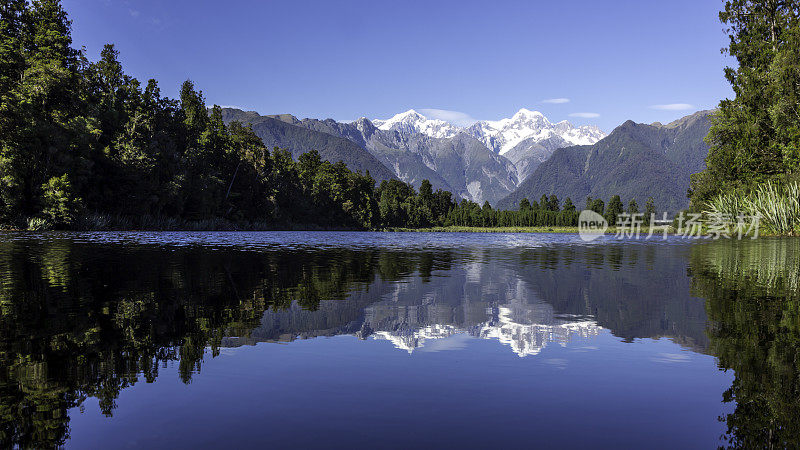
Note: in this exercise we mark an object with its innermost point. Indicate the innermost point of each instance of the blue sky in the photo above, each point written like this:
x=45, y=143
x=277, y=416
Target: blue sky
x=598, y=62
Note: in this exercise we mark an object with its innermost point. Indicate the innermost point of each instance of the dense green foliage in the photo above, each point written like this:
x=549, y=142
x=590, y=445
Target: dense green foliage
x=547, y=212
x=83, y=145
x=755, y=136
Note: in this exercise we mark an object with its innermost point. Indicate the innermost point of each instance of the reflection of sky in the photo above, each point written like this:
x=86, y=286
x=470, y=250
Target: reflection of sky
x=465, y=383
x=597, y=392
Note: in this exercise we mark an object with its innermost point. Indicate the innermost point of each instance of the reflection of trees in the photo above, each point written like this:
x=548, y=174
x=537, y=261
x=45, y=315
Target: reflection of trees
x=89, y=320
x=80, y=321
x=753, y=304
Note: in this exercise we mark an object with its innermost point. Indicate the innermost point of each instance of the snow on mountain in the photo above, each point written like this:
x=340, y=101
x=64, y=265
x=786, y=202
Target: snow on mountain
x=504, y=134
x=499, y=136
x=582, y=135
x=413, y=122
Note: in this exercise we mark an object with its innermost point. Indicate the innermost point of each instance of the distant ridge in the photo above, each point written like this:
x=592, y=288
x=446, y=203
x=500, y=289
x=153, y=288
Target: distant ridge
x=635, y=161
x=282, y=131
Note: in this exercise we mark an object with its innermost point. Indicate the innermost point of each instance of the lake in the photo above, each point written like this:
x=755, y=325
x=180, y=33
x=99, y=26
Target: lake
x=321, y=340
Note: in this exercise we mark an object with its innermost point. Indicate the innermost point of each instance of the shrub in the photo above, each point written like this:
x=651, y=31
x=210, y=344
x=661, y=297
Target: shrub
x=39, y=224
x=60, y=203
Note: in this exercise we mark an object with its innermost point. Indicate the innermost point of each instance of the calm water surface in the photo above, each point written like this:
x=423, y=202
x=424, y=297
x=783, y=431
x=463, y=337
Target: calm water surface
x=320, y=340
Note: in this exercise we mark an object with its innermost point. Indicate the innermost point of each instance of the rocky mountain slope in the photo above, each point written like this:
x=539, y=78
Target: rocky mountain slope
x=506, y=160
x=634, y=161
x=526, y=139
x=280, y=131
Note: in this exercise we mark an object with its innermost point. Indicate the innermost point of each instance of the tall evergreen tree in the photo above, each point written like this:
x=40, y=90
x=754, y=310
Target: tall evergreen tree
x=633, y=207
x=613, y=210
x=649, y=210
x=568, y=206
x=756, y=135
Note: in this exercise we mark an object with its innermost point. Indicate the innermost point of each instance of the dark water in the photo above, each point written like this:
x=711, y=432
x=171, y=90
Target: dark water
x=320, y=340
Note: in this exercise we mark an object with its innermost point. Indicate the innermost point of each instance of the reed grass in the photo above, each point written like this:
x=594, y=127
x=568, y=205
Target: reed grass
x=777, y=205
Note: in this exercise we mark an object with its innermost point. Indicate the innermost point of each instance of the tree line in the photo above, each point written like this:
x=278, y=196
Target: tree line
x=85, y=146
x=82, y=141
x=547, y=212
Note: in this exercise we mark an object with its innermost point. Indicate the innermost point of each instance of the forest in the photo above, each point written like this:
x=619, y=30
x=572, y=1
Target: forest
x=85, y=146
x=754, y=155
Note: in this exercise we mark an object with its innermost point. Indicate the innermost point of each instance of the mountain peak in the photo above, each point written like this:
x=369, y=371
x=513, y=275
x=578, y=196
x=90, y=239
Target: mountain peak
x=413, y=122
x=410, y=114
x=530, y=126
x=498, y=135
x=527, y=113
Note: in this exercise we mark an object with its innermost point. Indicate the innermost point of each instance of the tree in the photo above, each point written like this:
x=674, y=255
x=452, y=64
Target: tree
x=60, y=204
x=597, y=206
x=524, y=204
x=568, y=206
x=194, y=111
x=426, y=190
x=553, y=203
x=649, y=210
x=614, y=209
x=41, y=112
x=486, y=212
x=544, y=203
x=633, y=207
x=756, y=135
x=308, y=164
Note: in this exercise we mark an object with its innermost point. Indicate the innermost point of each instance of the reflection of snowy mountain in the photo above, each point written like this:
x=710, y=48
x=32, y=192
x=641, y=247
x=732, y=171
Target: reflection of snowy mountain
x=526, y=298
x=479, y=300
x=530, y=339
x=509, y=325
x=410, y=340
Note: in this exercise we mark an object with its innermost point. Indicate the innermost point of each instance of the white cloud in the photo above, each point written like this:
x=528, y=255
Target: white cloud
x=670, y=358
x=134, y=13
x=558, y=363
x=454, y=117
x=585, y=115
x=455, y=342
x=673, y=107
x=556, y=101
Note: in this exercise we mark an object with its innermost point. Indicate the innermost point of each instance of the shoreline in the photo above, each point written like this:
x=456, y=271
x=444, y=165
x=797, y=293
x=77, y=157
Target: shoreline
x=460, y=229
x=301, y=228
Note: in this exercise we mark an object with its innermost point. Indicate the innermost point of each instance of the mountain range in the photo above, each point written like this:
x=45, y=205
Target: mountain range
x=635, y=161
x=504, y=160
x=279, y=131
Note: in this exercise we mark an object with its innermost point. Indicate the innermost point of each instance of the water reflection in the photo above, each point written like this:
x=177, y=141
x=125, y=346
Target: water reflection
x=754, y=311
x=86, y=319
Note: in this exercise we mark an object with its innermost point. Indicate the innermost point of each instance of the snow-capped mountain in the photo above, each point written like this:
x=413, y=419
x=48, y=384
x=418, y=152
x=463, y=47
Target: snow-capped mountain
x=486, y=161
x=498, y=135
x=410, y=122
x=505, y=134
x=526, y=139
